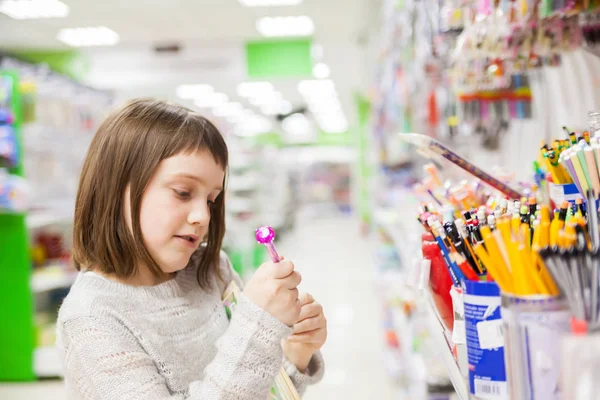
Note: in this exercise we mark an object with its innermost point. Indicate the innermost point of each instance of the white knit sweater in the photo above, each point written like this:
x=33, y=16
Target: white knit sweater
x=170, y=341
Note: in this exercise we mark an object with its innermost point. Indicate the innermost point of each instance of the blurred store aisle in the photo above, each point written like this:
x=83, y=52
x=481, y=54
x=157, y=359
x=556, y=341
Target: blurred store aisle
x=337, y=268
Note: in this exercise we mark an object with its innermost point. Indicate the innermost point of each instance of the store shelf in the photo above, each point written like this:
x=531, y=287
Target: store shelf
x=47, y=363
x=44, y=282
x=239, y=204
x=436, y=329
x=40, y=219
x=243, y=183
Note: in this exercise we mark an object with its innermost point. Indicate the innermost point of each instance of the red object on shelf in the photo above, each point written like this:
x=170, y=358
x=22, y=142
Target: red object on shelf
x=440, y=281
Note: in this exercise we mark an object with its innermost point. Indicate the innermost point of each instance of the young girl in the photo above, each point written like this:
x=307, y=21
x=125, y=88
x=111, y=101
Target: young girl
x=144, y=319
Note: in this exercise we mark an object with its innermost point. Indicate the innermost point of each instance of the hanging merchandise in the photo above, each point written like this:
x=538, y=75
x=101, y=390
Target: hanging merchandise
x=9, y=156
x=525, y=267
x=13, y=192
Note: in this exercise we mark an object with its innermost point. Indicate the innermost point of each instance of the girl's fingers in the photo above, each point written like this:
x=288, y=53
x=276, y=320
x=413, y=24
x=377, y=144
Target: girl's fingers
x=311, y=310
x=310, y=324
x=316, y=336
x=306, y=298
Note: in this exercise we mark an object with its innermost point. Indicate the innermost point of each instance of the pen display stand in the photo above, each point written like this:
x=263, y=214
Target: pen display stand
x=440, y=282
x=533, y=328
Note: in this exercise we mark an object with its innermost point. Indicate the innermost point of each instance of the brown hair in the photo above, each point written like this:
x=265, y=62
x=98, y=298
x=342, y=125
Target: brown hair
x=126, y=150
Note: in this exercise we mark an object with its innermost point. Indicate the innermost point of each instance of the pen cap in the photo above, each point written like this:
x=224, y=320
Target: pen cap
x=481, y=216
x=462, y=228
x=516, y=206
x=502, y=203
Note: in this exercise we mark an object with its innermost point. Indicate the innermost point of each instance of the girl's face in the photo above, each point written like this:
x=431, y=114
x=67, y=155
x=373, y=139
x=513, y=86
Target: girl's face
x=176, y=207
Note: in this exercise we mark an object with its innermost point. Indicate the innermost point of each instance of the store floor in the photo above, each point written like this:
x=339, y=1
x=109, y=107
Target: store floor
x=337, y=268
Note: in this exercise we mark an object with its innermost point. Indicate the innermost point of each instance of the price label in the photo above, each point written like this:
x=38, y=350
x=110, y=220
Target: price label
x=491, y=334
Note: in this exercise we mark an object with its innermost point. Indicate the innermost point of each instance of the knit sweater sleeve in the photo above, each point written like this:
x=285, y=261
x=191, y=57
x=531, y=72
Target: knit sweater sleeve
x=105, y=361
x=316, y=368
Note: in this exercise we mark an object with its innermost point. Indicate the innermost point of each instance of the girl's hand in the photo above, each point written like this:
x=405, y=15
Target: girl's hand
x=310, y=333
x=273, y=288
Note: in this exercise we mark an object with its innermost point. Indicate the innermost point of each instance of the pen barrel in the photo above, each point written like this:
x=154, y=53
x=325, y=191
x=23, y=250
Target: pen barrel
x=272, y=252
x=446, y=256
x=592, y=170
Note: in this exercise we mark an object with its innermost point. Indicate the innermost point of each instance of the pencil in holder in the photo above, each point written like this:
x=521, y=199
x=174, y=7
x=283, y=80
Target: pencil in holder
x=485, y=341
x=533, y=328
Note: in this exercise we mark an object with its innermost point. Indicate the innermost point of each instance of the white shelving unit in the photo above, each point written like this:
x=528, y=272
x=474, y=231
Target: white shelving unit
x=44, y=282
x=40, y=219
x=436, y=329
x=398, y=234
x=47, y=363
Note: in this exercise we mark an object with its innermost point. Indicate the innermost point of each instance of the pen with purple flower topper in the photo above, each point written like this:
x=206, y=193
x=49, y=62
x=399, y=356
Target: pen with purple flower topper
x=265, y=235
x=284, y=388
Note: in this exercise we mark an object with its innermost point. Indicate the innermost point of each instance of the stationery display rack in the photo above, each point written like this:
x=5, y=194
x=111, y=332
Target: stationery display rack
x=54, y=119
x=476, y=76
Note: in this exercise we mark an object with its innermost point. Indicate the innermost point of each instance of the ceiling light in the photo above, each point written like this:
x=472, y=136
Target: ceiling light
x=297, y=125
x=285, y=26
x=270, y=98
x=321, y=71
x=267, y=3
x=211, y=100
x=228, y=109
x=252, y=89
x=286, y=107
x=326, y=109
x=253, y=126
x=34, y=9
x=335, y=126
x=269, y=109
x=316, y=87
x=87, y=37
x=194, y=91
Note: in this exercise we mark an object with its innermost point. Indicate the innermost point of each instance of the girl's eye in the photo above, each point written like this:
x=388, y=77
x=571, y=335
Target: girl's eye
x=182, y=194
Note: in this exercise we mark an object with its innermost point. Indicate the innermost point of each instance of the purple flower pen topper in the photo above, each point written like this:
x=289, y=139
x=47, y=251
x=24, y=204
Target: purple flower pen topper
x=265, y=235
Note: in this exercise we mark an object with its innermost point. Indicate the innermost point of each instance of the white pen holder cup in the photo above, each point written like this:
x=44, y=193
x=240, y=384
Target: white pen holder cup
x=485, y=341
x=580, y=372
x=533, y=328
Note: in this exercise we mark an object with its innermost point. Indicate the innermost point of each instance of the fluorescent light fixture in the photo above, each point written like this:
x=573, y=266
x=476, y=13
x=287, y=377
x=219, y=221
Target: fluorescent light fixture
x=280, y=107
x=228, y=109
x=334, y=126
x=270, y=3
x=268, y=99
x=269, y=109
x=211, y=100
x=253, y=126
x=88, y=37
x=316, y=87
x=285, y=26
x=34, y=9
x=252, y=89
x=321, y=71
x=286, y=107
x=297, y=125
x=194, y=91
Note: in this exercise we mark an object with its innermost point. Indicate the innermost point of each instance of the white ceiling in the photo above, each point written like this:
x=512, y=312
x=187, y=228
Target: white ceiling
x=211, y=33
